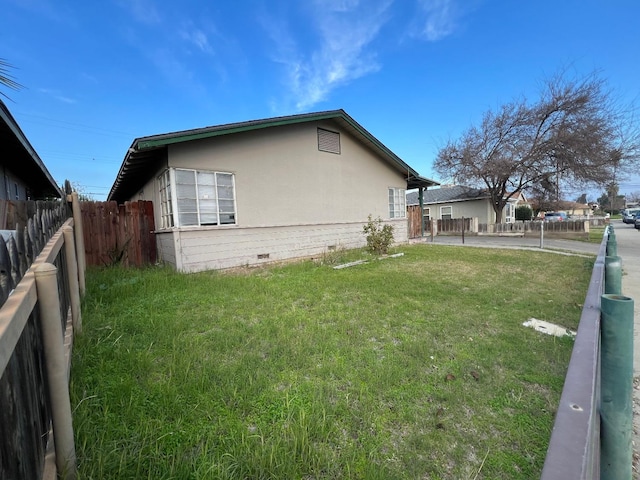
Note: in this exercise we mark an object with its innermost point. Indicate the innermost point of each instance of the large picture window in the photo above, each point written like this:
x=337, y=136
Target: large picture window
x=198, y=198
x=397, y=203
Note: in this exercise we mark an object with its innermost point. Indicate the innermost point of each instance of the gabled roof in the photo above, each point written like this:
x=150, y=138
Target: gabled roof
x=448, y=194
x=22, y=160
x=145, y=152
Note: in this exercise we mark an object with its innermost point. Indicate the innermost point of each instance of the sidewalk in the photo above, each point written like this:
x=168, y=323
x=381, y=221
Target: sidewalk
x=628, y=241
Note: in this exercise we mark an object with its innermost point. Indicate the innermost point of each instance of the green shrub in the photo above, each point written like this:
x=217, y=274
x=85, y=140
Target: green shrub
x=524, y=213
x=379, y=236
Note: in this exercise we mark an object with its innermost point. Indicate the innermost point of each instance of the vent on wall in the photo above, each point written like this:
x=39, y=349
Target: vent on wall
x=328, y=141
x=263, y=256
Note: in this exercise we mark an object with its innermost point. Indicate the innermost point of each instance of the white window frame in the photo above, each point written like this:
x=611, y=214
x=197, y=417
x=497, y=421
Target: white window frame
x=173, y=209
x=442, y=214
x=426, y=213
x=166, y=200
x=397, y=202
x=509, y=212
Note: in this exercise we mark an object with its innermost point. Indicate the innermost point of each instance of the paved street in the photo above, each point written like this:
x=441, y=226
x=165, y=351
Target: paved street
x=628, y=239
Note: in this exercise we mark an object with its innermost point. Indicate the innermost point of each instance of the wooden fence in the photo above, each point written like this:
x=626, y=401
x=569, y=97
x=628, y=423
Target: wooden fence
x=455, y=226
x=18, y=213
x=41, y=280
x=440, y=227
x=119, y=233
x=569, y=228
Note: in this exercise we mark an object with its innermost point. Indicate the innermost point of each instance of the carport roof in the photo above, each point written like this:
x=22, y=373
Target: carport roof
x=447, y=194
x=145, y=152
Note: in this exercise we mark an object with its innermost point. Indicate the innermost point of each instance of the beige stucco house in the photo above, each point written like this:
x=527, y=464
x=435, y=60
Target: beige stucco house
x=265, y=190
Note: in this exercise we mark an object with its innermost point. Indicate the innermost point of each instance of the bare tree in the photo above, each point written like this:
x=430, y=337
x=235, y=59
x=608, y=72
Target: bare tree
x=571, y=134
x=634, y=197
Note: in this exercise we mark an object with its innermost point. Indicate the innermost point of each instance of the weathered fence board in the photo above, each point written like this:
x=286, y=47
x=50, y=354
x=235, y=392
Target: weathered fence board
x=24, y=405
x=18, y=213
x=119, y=233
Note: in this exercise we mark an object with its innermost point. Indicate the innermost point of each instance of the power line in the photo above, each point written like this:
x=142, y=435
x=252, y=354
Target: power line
x=52, y=122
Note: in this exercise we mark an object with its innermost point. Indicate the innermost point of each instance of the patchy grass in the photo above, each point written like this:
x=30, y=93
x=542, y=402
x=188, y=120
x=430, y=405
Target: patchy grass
x=410, y=367
x=595, y=234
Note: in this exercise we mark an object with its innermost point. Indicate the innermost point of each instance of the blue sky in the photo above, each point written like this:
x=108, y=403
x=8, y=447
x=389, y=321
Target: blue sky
x=415, y=73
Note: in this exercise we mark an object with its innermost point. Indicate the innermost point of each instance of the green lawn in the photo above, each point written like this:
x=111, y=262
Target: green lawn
x=409, y=367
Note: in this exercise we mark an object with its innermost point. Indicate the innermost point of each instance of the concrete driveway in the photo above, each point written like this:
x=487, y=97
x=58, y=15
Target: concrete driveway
x=628, y=240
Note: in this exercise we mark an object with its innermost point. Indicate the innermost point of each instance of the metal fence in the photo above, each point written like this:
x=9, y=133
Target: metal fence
x=591, y=437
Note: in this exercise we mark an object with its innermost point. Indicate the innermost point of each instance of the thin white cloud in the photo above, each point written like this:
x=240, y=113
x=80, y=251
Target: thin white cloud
x=55, y=94
x=346, y=30
x=438, y=19
x=65, y=99
x=144, y=11
x=197, y=37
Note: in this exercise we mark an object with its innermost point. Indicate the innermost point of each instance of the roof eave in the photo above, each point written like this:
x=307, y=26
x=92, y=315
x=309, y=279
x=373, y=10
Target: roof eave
x=157, y=142
x=8, y=119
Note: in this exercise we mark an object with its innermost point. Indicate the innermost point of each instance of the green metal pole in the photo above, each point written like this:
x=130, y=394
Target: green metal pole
x=421, y=202
x=613, y=275
x=616, y=387
x=612, y=246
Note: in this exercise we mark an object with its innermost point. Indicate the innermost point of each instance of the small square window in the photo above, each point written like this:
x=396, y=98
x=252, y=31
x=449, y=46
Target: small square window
x=446, y=213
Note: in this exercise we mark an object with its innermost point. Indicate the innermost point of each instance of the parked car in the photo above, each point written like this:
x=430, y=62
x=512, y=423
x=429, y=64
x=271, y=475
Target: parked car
x=636, y=222
x=555, y=217
x=629, y=215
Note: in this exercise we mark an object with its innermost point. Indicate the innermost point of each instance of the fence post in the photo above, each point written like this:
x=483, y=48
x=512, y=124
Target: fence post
x=463, y=230
x=613, y=275
x=79, y=231
x=616, y=387
x=612, y=244
x=47, y=290
x=542, y=234
x=74, y=287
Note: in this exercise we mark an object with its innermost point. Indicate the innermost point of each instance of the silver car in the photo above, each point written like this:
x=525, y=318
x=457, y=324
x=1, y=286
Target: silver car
x=629, y=215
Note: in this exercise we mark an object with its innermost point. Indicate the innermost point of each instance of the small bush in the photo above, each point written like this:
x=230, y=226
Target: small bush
x=524, y=213
x=379, y=236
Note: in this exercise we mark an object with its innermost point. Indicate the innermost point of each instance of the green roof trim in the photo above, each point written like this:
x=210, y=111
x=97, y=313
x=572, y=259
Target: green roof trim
x=188, y=135
x=145, y=150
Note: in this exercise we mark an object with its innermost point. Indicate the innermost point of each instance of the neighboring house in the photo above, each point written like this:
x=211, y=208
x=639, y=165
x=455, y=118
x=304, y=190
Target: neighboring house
x=23, y=175
x=265, y=190
x=572, y=209
x=457, y=201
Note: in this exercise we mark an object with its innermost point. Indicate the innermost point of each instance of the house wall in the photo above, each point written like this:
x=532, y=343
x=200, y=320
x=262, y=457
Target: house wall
x=282, y=179
x=480, y=209
x=11, y=187
x=208, y=249
x=291, y=199
x=166, y=247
